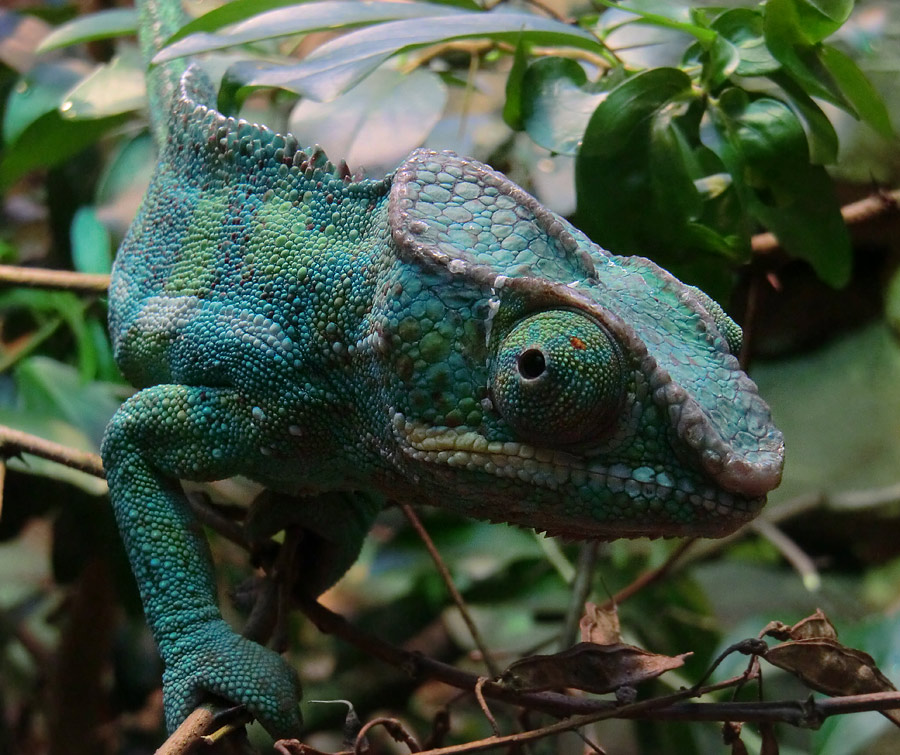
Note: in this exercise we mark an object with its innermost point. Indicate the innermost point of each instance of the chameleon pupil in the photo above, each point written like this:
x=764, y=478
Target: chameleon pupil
x=531, y=364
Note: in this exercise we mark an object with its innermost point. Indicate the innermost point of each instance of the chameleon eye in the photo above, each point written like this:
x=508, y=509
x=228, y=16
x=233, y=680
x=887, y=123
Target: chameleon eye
x=557, y=378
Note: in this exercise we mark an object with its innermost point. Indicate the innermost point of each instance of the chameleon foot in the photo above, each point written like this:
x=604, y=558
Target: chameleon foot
x=214, y=661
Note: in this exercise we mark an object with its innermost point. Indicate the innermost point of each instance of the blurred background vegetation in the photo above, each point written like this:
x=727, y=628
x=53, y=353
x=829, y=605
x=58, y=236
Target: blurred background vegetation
x=682, y=132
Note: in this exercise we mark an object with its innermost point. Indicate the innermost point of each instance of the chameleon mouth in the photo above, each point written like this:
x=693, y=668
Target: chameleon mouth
x=634, y=487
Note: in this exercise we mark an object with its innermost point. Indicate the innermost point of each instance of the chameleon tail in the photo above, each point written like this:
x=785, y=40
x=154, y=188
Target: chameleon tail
x=157, y=21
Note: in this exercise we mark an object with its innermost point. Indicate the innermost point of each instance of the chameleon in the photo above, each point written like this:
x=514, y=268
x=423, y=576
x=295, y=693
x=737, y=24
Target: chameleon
x=435, y=335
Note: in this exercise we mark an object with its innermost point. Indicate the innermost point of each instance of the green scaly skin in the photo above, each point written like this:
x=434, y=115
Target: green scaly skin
x=434, y=335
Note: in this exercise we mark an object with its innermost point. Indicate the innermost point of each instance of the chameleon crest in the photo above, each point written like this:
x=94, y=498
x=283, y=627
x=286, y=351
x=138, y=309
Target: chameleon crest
x=434, y=335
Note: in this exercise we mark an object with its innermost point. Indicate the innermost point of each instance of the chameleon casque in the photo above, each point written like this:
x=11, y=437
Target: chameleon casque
x=436, y=335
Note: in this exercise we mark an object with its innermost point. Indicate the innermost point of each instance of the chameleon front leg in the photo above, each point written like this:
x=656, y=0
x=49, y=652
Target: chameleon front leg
x=158, y=436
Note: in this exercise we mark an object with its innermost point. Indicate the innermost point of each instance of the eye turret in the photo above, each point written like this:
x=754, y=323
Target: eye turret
x=557, y=378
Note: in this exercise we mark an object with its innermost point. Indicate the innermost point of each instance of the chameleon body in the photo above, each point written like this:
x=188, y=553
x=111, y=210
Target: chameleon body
x=436, y=335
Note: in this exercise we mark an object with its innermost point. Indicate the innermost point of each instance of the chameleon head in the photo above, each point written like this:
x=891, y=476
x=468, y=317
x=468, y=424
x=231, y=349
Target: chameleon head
x=556, y=385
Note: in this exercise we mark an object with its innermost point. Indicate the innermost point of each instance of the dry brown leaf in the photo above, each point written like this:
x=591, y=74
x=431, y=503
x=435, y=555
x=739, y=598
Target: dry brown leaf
x=590, y=667
x=600, y=625
x=815, y=626
x=825, y=665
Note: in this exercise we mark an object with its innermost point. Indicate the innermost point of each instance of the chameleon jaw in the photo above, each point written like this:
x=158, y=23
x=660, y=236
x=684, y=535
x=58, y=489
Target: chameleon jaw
x=644, y=493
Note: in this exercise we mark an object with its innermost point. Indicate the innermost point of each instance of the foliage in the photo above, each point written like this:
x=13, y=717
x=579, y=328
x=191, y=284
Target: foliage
x=683, y=159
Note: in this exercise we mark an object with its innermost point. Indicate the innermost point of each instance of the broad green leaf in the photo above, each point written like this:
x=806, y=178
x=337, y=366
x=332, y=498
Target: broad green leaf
x=240, y=10
x=38, y=92
x=556, y=104
x=672, y=11
x=673, y=188
x=857, y=90
x=131, y=165
x=743, y=27
x=631, y=105
x=666, y=15
x=49, y=141
x=378, y=122
x=722, y=60
x=821, y=18
x=635, y=175
x=300, y=19
x=116, y=22
x=788, y=45
x=114, y=88
x=822, y=71
x=50, y=388
x=764, y=147
x=339, y=64
x=512, y=107
x=91, y=243
x=823, y=139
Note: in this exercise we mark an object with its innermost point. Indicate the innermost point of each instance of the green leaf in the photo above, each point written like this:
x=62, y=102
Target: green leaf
x=129, y=167
x=91, y=242
x=114, y=88
x=38, y=92
x=655, y=9
x=823, y=139
x=240, y=10
x=51, y=140
x=105, y=24
x=764, y=148
x=363, y=126
x=629, y=106
x=722, y=60
x=822, y=18
x=512, y=107
x=339, y=64
x=301, y=19
x=556, y=105
x=824, y=72
x=666, y=15
x=635, y=172
x=674, y=191
x=743, y=27
x=857, y=90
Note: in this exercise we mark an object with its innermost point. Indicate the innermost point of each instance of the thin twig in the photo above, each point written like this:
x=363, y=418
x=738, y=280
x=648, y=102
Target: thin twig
x=649, y=577
x=393, y=727
x=792, y=553
x=63, y=280
x=451, y=587
x=581, y=588
x=15, y=441
x=879, y=203
x=485, y=708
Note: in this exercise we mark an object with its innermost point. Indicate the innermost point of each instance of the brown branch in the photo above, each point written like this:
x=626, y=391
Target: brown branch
x=556, y=704
x=15, y=441
x=451, y=587
x=63, y=280
x=879, y=203
x=189, y=733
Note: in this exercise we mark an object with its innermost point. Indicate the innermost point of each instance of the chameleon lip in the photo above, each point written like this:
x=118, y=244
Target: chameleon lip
x=554, y=469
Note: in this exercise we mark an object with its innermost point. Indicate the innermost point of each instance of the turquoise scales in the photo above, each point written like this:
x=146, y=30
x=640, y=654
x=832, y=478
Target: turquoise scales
x=435, y=335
